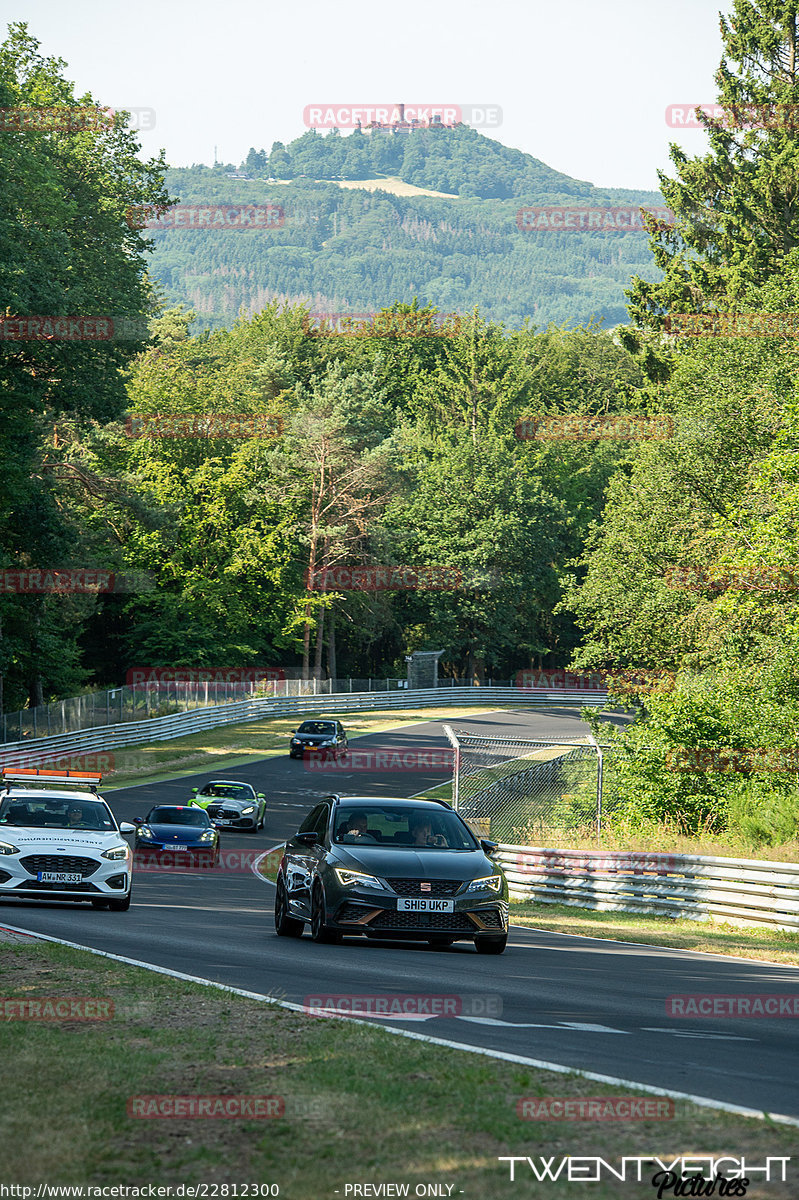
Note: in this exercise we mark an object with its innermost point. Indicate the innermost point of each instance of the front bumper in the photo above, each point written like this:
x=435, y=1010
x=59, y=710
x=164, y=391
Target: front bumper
x=110, y=879
x=363, y=910
x=299, y=751
x=323, y=751
x=231, y=818
x=145, y=850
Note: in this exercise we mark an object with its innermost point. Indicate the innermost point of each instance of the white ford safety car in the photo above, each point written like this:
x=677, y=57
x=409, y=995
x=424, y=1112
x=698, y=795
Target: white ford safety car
x=59, y=840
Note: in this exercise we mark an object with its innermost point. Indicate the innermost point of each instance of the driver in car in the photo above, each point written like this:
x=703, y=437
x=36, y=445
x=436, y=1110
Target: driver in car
x=358, y=825
x=421, y=828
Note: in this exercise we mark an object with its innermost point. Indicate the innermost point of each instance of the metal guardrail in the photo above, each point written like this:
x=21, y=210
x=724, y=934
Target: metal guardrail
x=155, y=694
x=161, y=696
x=158, y=729
x=738, y=891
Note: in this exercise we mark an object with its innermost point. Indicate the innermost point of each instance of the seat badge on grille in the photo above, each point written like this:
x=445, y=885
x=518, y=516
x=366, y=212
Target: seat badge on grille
x=424, y=887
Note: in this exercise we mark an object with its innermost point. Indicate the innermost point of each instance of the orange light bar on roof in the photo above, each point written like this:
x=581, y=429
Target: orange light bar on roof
x=28, y=774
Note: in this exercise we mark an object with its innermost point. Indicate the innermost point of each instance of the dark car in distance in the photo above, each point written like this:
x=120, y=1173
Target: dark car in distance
x=326, y=736
x=173, y=828
x=391, y=868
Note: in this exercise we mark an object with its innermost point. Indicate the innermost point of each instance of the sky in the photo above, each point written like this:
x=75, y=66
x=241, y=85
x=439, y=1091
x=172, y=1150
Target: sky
x=582, y=85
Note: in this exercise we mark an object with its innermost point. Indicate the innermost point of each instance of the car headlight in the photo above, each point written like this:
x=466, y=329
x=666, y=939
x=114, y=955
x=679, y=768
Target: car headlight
x=7, y=848
x=329, y=742
x=115, y=852
x=295, y=741
x=250, y=808
x=488, y=883
x=358, y=879
x=146, y=832
x=207, y=836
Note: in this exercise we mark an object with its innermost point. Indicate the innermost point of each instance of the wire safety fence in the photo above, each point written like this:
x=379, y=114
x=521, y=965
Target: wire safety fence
x=531, y=791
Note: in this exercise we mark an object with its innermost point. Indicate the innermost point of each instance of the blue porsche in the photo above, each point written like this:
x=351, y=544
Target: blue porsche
x=172, y=828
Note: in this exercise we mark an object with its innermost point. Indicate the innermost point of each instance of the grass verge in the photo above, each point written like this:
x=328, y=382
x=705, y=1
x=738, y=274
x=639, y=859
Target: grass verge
x=771, y=945
x=360, y=1105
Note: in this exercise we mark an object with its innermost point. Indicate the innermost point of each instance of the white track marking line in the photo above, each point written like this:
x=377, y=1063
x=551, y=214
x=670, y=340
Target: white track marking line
x=255, y=864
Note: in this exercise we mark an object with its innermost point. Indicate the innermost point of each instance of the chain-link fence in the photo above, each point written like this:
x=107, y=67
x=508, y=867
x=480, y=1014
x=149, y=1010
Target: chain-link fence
x=529, y=791
x=159, y=698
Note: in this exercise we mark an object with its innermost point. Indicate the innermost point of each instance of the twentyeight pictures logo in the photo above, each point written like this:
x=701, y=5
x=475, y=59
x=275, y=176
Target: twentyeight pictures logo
x=668, y=1172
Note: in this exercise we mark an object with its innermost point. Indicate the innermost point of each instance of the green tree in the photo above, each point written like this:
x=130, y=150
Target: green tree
x=737, y=207
x=66, y=249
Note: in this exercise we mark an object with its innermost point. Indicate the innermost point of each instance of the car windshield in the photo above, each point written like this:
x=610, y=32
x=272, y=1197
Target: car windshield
x=317, y=727
x=163, y=815
x=233, y=791
x=57, y=813
x=402, y=827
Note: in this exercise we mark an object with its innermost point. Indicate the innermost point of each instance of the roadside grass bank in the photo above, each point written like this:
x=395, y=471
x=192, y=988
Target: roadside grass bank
x=359, y=1105
x=659, y=838
x=772, y=945
x=252, y=740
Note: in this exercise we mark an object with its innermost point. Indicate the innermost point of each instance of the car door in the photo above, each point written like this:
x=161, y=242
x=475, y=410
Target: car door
x=302, y=861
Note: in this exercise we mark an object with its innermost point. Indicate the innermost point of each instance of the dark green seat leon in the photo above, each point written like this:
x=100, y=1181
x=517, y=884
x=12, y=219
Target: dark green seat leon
x=391, y=868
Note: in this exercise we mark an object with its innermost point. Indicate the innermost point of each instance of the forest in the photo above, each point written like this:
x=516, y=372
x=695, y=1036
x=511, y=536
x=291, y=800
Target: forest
x=342, y=250
x=672, y=555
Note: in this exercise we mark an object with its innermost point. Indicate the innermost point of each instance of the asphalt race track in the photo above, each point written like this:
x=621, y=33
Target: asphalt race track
x=581, y=1002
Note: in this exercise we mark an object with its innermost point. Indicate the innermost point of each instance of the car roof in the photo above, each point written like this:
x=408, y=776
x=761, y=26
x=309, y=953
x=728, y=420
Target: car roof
x=26, y=793
x=192, y=808
x=405, y=801
x=237, y=782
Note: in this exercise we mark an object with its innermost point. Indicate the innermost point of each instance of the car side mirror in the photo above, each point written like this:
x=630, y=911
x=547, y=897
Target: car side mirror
x=261, y=796
x=137, y=821
x=194, y=791
x=126, y=827
x=488, y=846
x=308, y=839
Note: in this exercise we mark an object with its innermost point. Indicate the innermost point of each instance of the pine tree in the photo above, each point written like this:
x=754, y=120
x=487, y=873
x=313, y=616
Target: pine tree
x=737, y=207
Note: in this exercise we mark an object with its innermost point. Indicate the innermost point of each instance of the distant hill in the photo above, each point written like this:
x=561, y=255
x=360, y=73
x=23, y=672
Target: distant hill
x=358, y=249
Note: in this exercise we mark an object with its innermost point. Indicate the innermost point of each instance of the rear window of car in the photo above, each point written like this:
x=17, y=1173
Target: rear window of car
x=164, y=815
x=389, y=826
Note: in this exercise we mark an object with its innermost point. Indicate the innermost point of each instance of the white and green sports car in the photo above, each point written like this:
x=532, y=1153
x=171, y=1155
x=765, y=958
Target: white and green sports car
x=231, y=804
